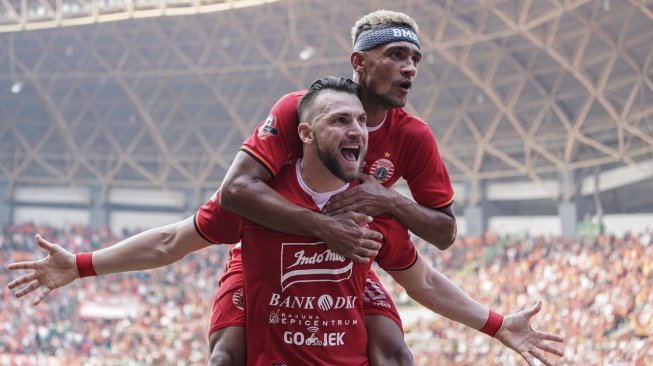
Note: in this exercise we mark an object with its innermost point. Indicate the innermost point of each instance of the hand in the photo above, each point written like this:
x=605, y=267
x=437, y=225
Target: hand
x=349, y=235
x=56, y=270
x=518, y=334
x=370, y=198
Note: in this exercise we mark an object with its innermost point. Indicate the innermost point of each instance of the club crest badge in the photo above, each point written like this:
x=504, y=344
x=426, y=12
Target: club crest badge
x=382, y=170
x=268, y=128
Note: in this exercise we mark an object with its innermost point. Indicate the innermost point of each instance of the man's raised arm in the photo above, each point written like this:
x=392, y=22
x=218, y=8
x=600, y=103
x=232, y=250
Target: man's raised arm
x=436, y=292
x=153, y=248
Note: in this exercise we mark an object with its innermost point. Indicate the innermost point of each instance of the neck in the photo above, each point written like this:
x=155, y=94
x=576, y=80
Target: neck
x=375, y=111
x=316, y=176
x=375, y=118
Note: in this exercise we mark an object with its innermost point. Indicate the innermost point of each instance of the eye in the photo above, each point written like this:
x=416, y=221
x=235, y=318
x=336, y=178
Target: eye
x=416, y=60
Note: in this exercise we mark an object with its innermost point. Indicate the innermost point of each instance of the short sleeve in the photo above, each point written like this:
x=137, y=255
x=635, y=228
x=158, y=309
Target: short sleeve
x=276, y=141
x=426, y=174
x=398, y=252
x=216, y=225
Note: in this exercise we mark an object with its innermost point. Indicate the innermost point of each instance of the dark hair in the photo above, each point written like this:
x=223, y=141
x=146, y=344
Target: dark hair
x=327, y=83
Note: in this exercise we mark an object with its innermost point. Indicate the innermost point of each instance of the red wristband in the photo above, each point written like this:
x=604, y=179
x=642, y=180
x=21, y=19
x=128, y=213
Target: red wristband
x=84, y=262
x=493, y=324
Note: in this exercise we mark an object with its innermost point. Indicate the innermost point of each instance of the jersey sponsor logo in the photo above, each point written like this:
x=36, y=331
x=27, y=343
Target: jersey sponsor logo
x=274, y=317
x=268, y=128
x=382, y=170
x=325, y=340
x=278, y=317
x=312, y=262
x=324, y=302
x=238, y=299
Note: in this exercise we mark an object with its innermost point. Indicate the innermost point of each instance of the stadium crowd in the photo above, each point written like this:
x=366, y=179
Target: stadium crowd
x=597, y=293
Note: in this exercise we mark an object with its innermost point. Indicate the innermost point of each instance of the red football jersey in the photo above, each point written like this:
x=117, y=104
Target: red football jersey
x=402, y=146
x=304, y=302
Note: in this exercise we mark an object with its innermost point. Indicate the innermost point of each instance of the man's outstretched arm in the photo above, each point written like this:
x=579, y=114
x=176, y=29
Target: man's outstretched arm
x=150, y=249
x=436, y=292
x=245, y=191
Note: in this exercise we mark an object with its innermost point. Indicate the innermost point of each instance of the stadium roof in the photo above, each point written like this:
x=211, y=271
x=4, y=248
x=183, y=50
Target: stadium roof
x=163, y=98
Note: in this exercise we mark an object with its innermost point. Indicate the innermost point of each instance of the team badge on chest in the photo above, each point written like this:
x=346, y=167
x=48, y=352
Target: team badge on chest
x=382, y=170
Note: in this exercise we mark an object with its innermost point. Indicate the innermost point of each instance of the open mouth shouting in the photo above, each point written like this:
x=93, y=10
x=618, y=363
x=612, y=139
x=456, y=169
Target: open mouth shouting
x=350, y=152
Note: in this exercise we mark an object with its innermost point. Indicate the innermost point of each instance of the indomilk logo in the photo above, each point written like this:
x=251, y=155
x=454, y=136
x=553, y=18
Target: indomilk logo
x=312, y=262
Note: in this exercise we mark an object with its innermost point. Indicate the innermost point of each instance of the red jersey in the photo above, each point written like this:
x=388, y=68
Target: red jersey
x=402, y=146
x=304, y=302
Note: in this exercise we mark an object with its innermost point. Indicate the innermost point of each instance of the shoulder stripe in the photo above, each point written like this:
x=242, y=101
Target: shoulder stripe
x=246, y=149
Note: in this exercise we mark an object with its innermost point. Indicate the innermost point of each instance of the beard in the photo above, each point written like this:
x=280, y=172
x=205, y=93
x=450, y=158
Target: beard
x=330, y=161
x=385, y=100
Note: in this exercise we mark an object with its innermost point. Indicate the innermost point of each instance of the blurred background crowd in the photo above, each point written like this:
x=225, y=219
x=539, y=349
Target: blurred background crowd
x=597, y=293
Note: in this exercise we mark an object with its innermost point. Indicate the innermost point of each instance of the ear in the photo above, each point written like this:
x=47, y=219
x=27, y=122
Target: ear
x=357, y=61
x=305, y=132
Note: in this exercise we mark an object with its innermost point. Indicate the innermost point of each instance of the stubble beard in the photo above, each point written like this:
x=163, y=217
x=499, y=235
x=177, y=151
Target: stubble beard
x=330, y=161
x=386, y=101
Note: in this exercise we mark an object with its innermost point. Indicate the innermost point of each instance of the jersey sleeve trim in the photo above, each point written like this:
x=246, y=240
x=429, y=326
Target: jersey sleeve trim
x=412, y=263
x=261, y=160
x=448, y=204
x=199, y=231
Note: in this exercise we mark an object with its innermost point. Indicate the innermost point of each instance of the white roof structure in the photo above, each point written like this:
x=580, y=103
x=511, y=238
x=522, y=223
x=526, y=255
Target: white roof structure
x=150, y=93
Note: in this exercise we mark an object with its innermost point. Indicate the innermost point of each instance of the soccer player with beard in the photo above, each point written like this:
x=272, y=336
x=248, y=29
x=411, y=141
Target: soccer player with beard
x=302, y=297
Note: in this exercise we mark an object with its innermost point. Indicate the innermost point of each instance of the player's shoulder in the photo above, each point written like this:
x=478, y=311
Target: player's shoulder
x=291, y=99
x=400, y=118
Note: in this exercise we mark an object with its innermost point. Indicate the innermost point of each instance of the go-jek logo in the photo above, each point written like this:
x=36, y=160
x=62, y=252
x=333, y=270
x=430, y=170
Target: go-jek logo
x=312, y=262
x=327, y=339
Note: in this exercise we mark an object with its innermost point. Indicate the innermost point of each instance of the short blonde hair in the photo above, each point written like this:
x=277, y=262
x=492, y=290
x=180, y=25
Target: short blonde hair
x=381, y=19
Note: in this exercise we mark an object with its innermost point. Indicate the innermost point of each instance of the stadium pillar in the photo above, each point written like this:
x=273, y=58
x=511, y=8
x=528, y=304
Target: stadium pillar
x=6, y=206
x=99, y=210
x=476, y=208
x=568, y=214
x=568, y=206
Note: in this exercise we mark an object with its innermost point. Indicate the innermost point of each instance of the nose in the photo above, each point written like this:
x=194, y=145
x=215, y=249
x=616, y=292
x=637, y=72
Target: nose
x=357, y=130
x=409, y=69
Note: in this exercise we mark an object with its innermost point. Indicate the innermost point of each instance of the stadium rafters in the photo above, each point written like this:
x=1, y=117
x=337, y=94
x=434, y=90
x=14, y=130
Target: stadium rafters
x=514, y=89
x=17, y=15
